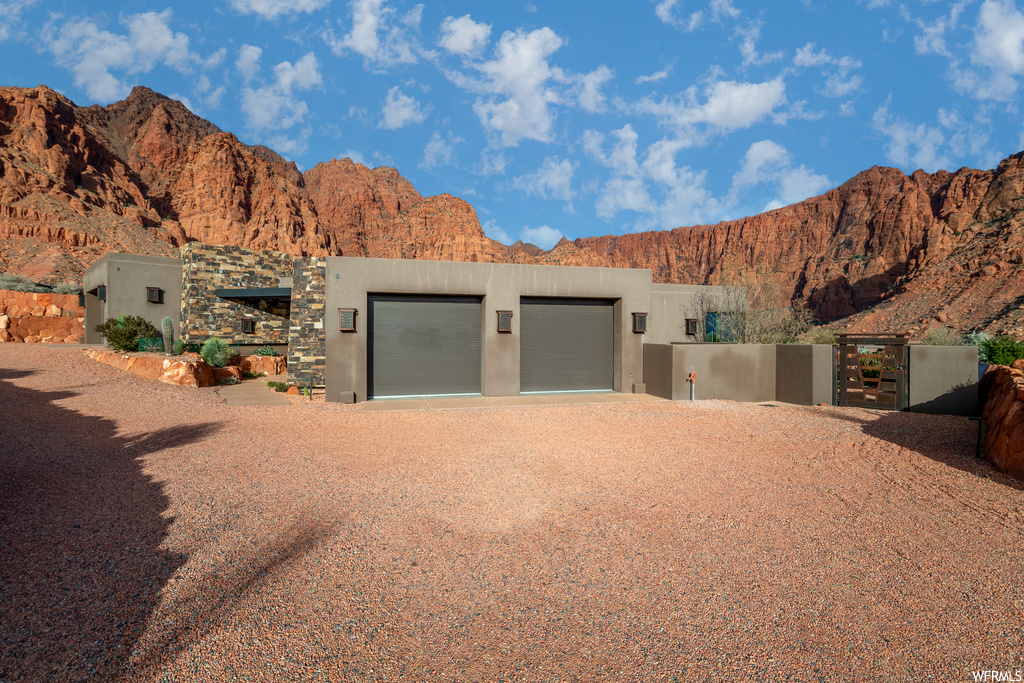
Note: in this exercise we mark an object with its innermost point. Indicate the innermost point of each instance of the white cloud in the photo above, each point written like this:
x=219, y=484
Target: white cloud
x=10, y=12
x=911, y=147
x=663, y=194
x=439, y=151
x=748, y=46
x=92, y=54
x=998, y=47
x=275, y=106
x=400, y=110
x=356, y=157
x=516, y=84
x=270, y=9
x=591, y=98
x=464, y=36
x=553, y=180
x=768, y=163
x=665, y=11
x=544, y=237
x=654, y=77
x=495, y=232
x=376, y=36
x=726, y=105
x=932, y=39
x=839, y=82
x=248, y=62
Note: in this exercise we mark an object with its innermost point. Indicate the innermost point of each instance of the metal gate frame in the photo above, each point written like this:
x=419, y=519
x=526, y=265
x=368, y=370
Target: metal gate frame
x=889, y=391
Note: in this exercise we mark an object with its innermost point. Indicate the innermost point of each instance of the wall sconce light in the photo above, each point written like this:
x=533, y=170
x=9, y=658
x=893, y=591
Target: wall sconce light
x=248, y=326
x=691, y=327
x=101, y=293
x=504, y=321
x=639, y=323
x=346, y=320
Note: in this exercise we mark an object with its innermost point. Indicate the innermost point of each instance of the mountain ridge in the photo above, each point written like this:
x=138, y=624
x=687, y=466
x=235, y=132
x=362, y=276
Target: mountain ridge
x=145, y=175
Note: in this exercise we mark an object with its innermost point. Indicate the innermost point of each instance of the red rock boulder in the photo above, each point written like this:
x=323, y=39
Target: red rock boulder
x=1003, y=389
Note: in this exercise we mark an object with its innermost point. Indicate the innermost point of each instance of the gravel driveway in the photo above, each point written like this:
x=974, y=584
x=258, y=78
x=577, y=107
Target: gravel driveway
x=153, y=533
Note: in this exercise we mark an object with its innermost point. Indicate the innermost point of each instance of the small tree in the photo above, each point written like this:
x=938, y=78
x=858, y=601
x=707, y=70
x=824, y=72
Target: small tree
x=749, y=308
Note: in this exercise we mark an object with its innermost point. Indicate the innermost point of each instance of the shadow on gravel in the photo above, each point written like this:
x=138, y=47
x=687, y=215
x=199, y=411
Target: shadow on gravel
x=206, y=604
x=81, y=569
x=910, y=431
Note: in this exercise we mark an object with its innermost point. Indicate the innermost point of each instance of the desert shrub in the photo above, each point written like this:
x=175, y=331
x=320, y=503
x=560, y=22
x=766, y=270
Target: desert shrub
x=265, y=351
x=1001, y=350
x=123, y=333
x=215, y=352
x=17, y=283
x=977, y=339
x=942, y=337
x=227, y=381
x=67, y=288
x=817, y=335
x=181, y=347
x=151, y=344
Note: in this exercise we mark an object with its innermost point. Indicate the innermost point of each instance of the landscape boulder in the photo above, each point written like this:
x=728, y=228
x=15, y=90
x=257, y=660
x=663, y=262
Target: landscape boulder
x=1003, y=390
x=178, y=371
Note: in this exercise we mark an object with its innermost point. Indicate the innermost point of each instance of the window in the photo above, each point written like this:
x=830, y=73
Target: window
x=154, y=295
x=248, y=326
x=691, y=327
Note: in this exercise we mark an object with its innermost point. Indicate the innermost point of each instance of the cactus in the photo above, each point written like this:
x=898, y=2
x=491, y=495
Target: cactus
x=167, y=327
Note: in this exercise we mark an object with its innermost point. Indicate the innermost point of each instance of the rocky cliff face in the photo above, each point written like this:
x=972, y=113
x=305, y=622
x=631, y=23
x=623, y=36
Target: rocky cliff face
x=884, y=251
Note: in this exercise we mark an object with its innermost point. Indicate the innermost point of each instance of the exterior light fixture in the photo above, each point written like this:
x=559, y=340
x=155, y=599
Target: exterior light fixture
x=248, y=326
x=154, y=295
x=640, y=323
x=504, y=321
x=101, y=292
x=691, y=327
x=347, y=319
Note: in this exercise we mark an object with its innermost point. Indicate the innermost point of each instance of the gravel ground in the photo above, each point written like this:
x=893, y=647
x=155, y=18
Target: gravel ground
x=153, y=533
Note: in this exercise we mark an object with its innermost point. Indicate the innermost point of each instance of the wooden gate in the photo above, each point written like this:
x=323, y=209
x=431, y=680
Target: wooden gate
x=873, y=371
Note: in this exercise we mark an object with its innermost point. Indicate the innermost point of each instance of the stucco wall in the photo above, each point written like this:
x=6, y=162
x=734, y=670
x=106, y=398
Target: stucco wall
x=349, y=280
x=126, y=277
x=944, y=380
x=804, y=374
x=671, y=305
x=740, y=372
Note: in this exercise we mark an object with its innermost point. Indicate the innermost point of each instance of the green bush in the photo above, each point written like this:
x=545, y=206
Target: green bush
x=67, y=288
x=977, y=338
x=942, y=337
x=817, y=335
x=215, y=352
x=265, y=351
x=181, y=347
x=1001, y=350
x=17, y=283
x=123, y=333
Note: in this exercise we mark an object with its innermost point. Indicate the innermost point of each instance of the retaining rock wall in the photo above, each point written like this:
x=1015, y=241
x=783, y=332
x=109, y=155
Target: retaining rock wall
x=37, y=317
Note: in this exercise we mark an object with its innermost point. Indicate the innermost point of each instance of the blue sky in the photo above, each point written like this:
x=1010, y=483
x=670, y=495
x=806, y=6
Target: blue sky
x=563, y=118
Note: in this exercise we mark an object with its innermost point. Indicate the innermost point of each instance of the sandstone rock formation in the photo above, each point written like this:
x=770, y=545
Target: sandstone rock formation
x=882, y=252
x=35, y=317
x=1003, y=389
x=186, y=370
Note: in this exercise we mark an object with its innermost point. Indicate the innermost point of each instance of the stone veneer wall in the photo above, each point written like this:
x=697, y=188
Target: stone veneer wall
x=307, y=352
x=203, y=314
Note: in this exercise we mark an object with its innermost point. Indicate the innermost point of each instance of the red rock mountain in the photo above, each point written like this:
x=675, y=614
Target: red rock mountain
x=884, y=251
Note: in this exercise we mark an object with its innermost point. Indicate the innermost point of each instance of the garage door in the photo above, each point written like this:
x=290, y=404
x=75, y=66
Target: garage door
x=566, y=345
x=423, y=346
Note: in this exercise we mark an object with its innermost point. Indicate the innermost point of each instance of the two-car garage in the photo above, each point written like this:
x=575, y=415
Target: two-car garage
x=433, y=345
